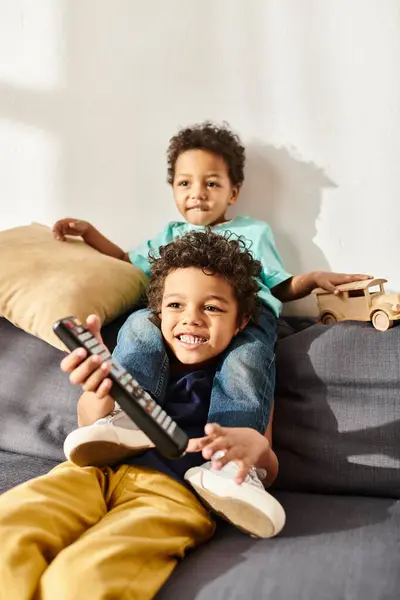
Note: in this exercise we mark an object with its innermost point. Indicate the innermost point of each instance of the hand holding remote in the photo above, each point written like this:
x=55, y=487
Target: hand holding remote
x=89, y=371
x=89, y=365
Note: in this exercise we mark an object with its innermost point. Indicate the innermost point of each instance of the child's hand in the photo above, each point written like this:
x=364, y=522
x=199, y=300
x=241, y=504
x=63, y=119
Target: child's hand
x=90, y=372
x=68, y=226
x=328, y=281
x=91, y=408
x=243, y=445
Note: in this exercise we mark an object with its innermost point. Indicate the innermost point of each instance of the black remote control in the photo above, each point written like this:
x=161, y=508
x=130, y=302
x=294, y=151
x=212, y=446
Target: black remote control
x=167, y=436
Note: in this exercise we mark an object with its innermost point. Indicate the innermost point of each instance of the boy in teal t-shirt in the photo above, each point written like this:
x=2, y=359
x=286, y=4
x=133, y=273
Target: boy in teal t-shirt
x=260, y=241
x=206, y=172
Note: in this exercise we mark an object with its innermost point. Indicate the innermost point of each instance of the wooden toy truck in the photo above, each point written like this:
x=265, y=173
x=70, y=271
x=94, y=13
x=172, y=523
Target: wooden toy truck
x=360, y=301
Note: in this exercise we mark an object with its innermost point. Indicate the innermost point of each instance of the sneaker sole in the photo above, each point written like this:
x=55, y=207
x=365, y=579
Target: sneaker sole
x=243, y=516
x=102, y=454
x=99, y=446
x=256, y=513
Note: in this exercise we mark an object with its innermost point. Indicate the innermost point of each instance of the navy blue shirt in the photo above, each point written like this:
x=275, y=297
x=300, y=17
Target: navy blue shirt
x=187, y=401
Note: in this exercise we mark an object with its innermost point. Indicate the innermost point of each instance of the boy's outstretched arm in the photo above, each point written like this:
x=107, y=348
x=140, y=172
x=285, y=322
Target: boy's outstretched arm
x=301, y=286
x=90, y=235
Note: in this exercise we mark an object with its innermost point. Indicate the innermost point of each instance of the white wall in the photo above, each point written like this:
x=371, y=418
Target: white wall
x=91, y=91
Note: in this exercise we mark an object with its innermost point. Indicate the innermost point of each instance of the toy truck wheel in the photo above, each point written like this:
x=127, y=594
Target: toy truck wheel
x=381, y=321
x=328, y=319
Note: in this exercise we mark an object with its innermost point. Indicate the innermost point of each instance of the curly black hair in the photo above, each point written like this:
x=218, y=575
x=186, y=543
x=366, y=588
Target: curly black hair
x=209, y=136
x=223, y=255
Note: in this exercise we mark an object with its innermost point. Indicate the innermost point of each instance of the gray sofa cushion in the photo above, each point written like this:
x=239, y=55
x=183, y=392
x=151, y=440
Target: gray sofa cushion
x=332, y=547
x=17, y=468
x=337, y=419
x=37, y=402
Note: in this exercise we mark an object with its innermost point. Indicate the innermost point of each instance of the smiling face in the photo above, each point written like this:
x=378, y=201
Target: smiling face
x=199, y=315
x=202, y=188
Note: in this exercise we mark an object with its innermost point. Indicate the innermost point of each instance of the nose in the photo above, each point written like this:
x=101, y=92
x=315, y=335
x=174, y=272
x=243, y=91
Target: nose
x=198, y=191
x=192, y=316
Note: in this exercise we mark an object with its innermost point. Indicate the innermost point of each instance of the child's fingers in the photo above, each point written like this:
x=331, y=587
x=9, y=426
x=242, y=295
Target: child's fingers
x=197, y=444
x=219, y=444
x=77, y=227
x=57, y=231
x=93, y=324
x=73, y=360
x=104, y=388
x=234, y=453
x=356, y=277
x=213, y=429
x=193, y=445
x=81, y=373
x=329, y=287
x=92, y=383
x=244, y=468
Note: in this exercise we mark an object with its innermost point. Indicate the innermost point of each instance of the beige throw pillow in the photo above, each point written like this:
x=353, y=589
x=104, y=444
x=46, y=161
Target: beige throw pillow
x=42, y=280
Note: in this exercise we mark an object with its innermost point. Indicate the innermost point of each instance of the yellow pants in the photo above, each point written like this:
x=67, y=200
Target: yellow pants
x=96, y=534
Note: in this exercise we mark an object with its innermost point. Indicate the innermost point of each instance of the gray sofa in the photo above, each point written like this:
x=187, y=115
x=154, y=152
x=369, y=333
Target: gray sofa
x=336, y=431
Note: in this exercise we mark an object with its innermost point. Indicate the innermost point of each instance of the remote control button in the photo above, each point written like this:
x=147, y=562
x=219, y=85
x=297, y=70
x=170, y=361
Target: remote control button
x=115, y=372
x=125, y=379
x=98, y=349
x=129, y=388
x=156, y=411
x=90, y=343
x=79, y=329
x=85, y=336
x=116, y=369
x=167, y=422
x=104, y=355
x=171, y=428
x=161, y=416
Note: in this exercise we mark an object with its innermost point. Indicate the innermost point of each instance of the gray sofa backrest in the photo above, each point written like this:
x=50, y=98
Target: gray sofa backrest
x=337, y=419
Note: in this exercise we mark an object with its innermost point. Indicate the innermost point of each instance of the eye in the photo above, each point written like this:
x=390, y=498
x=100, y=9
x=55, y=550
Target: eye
x=212, y=184
x=210, y=308
x=183, y=183
x=173, y=305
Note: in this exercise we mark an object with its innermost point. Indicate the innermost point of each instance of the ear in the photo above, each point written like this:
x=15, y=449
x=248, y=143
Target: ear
x=242, y=325
x=235, y=195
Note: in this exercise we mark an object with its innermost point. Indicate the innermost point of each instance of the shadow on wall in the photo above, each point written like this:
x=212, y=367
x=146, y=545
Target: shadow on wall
x=286, y=191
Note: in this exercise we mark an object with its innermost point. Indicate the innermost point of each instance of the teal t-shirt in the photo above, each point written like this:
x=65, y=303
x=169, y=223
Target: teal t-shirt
x=260, y=242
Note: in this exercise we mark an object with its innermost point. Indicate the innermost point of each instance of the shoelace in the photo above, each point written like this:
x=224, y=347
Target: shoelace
x=116, y=411
x=256, y=476
x=253, y=477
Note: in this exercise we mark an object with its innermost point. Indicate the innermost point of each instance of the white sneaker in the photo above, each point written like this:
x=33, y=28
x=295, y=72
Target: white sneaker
x=107, y=441
x=247, y=506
